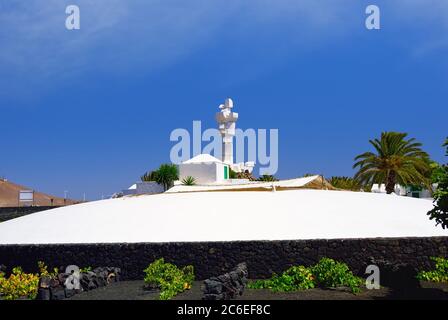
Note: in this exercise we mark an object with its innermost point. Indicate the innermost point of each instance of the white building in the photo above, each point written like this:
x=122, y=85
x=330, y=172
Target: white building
x=407, y=191
x=205, y=169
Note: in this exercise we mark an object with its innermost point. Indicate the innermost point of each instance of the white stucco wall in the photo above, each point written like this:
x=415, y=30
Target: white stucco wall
x=202, y=172
x=220, y=172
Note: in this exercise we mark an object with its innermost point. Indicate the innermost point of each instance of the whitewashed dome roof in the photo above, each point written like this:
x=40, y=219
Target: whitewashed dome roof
x=227, y=216
x=203, y=158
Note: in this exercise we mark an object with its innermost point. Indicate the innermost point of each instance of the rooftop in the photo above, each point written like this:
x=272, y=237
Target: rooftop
x=203, y=158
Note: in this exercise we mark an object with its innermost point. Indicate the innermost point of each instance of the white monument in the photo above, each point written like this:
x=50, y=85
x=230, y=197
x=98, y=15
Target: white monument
x=226, y=119
x=226, y=125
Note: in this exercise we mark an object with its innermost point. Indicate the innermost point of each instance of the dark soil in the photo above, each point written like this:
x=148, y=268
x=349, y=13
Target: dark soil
x=133, y=290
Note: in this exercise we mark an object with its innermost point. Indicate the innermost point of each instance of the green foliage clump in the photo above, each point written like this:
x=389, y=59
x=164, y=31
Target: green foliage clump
x=440, y=211
x=85, y=269
x=18, y=285
x=43, y=270
x=189, y=181
x=346, y=183
x=165, y=175
x=267, y=178
x=293, y=279
x=440, y=274
x=232, y=174
x=168, y=278
x=326, y=273
x=149, y=176
x=330, y=273
x=437, y=172
x=23, y=285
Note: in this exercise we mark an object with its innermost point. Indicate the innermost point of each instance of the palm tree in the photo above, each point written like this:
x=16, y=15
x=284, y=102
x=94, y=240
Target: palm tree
x=267, y=178
x=396, y=160
x=166, y=175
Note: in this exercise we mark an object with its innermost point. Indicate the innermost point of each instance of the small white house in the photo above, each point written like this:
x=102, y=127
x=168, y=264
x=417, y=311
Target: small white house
x=205, y=169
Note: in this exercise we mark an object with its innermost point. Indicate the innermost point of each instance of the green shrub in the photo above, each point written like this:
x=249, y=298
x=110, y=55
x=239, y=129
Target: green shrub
x=85, y=269
x=19, y=285
x=168, y=278
x=232, y=174
x=440, y=274
x=326, y=273
x=293, y=279
x=43, y=270
x=330, y=274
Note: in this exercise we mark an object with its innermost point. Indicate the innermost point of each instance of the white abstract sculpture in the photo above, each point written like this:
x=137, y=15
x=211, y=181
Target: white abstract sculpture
x=226, y=123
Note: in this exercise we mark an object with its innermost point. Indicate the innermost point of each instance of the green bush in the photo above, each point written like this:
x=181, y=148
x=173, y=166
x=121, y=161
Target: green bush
x=326, y=273
x=330, y=273
x=85, y=269
x=18, y=285
x=165, y=175
x=43, y=270
x=440, y=211
x=293, y=279
x=168, y=278
x=440, y=274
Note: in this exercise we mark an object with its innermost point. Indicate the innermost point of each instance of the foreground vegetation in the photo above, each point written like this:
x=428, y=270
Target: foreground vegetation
x=21, y=285
x=168, y=278
x=439, y=274
x=327, y=273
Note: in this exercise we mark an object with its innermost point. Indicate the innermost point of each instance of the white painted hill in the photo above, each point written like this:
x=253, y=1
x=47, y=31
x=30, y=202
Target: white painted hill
x=227, y=216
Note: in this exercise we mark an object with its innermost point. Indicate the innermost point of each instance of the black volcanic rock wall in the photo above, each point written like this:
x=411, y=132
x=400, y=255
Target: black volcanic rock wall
x=214, y=258
x=9, y=213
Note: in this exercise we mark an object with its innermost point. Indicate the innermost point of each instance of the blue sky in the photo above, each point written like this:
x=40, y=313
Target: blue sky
x=89, y=111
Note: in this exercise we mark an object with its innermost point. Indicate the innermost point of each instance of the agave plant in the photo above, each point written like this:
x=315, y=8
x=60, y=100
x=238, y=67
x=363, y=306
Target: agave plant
x=189, y=181
x=397, y=160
